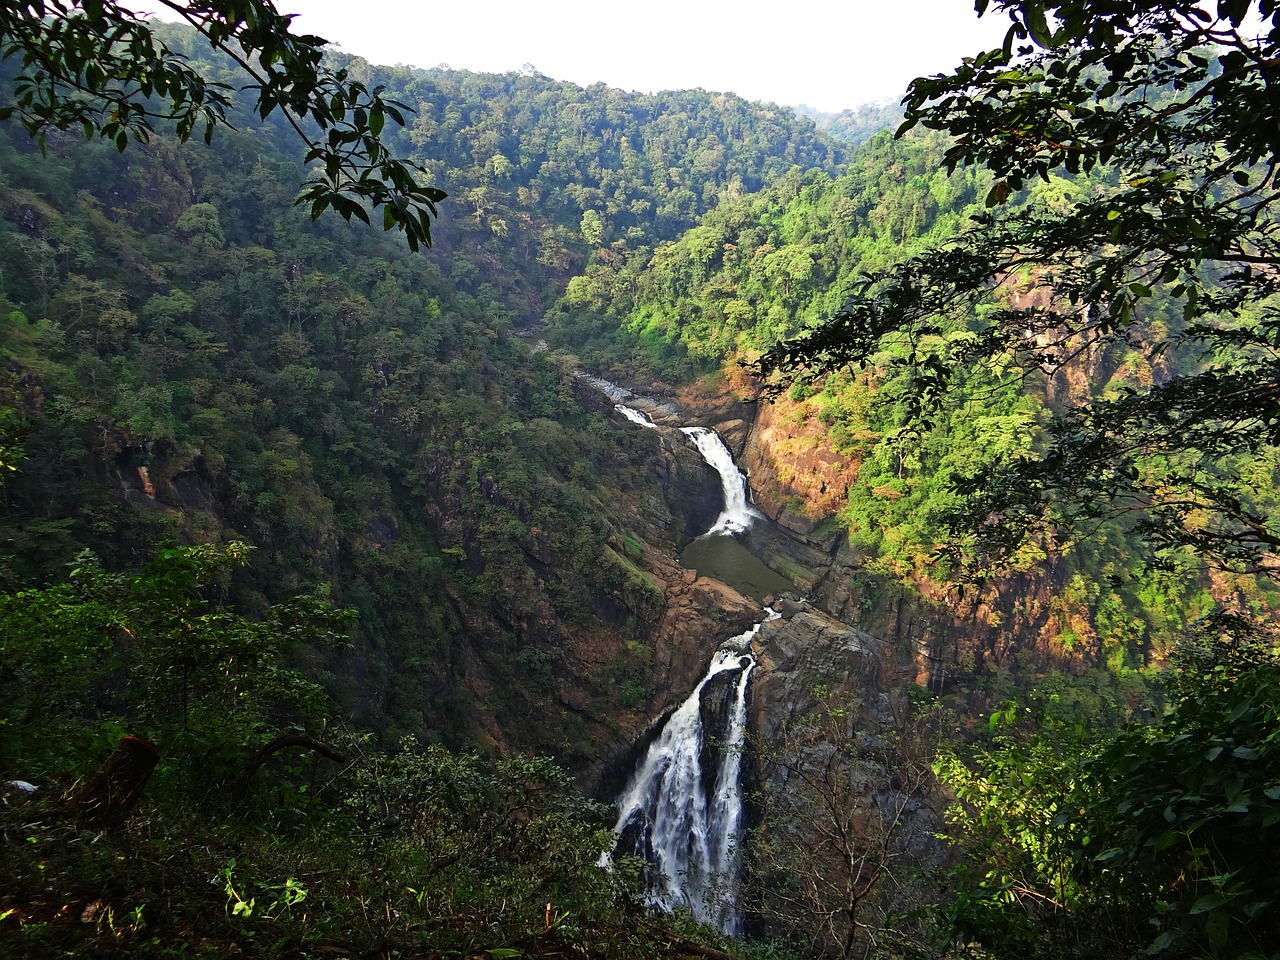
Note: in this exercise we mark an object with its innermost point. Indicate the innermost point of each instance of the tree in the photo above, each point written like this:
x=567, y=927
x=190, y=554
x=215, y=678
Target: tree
x=1161, y=840
x=154, y=653
x=843, y=813
x=1166, y=116
x=1163, y=253
x=592, y=228
x=1182, y=816
x=103, y=69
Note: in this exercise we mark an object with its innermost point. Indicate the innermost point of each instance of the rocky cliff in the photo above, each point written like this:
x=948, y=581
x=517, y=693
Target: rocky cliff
x=799, y=481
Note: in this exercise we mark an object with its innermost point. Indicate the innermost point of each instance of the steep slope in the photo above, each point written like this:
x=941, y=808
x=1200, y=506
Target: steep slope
x=191, y=359
x=830, y=460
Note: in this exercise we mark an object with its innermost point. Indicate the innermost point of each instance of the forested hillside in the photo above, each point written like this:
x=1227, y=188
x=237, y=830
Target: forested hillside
x=223, y=421
x=766, y=268
x=192, y=359
x=546, y=177
x=346, y=534
x=761, y=268
x=858, y=125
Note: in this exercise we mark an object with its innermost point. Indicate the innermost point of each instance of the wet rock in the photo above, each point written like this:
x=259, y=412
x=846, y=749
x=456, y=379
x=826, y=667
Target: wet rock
x=715, y=704
x=734, y=433
x=788, y=608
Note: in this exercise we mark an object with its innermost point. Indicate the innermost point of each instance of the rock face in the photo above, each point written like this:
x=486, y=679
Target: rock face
x=716, y=705
x=800, y=483
x=691, y=491
x=811, y=651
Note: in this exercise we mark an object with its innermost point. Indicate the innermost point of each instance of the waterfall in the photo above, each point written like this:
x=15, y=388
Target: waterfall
x=682, y=808
x=738, y=513
x=716, y=552
x=635, y=416
x=681, y=820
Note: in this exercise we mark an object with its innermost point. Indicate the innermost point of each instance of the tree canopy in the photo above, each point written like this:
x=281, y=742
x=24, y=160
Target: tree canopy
x=1169, y=248
x=104, y=69
x=1149, y=241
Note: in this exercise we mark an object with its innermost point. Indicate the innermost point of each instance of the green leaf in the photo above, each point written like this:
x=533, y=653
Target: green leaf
x=1211, y=901
x=1161, y=943
x=1037, y=24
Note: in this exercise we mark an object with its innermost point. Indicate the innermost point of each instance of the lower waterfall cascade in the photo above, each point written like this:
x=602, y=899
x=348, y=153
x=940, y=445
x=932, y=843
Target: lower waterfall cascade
x=684, y=823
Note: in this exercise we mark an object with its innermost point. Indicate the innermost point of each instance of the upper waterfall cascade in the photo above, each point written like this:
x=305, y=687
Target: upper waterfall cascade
x=635, y=416
x=738, y=513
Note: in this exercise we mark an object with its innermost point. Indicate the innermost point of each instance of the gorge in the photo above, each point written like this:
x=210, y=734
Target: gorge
x=682, y=807
x=407, y=593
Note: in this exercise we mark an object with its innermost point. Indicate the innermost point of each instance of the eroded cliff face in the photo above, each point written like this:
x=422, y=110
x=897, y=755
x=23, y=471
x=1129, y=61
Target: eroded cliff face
x=800, y=482
x=806, y=652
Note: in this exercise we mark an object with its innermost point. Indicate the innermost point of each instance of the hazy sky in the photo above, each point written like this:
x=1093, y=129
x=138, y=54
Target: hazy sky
x=828, y=55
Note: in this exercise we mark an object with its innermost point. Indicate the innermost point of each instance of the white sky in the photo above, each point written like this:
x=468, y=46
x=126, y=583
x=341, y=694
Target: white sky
x=828, y=55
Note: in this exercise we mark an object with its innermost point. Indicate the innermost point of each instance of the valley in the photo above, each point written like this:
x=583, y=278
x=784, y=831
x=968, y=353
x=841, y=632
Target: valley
x=739, y=502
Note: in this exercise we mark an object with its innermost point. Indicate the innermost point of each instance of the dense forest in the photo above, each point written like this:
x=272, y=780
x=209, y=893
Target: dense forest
x=277, y=453
x=763, y=269
x=371, y=421
x=339, y=537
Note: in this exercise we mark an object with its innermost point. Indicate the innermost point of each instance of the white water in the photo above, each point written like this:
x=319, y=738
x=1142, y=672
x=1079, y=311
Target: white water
x=688, y=833
x=738, y=512
x=635, y=416
x=686, y=829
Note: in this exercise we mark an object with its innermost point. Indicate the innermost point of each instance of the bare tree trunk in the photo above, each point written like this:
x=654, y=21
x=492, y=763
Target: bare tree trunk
x=107, y=798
